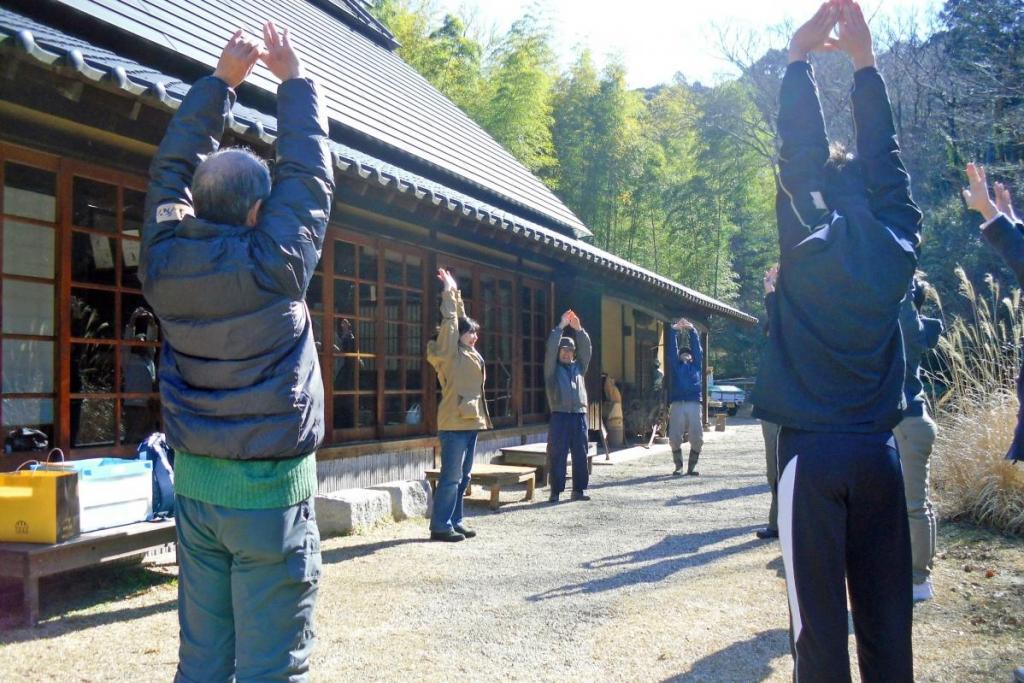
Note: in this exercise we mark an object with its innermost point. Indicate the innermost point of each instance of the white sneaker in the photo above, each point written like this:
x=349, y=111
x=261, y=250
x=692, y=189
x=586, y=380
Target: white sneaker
x=923, y=591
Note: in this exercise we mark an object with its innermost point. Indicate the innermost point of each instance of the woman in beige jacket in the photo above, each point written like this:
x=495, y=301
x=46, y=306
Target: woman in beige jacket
x=462, y=412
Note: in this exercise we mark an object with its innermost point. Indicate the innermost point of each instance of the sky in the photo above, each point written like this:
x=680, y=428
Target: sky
x=657, y=38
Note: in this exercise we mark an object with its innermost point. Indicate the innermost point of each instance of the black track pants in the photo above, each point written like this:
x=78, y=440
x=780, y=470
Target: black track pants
x=842, y=515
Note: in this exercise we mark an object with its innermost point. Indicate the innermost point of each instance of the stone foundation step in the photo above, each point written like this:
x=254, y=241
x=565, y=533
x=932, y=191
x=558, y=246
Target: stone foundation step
x=352, y=510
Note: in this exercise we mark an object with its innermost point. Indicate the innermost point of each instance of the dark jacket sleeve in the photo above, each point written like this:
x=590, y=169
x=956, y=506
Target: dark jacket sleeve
x=672, y=349
x=698, y=352
x=584, y=350
x=800, y=204
x=293, y=221
x=1008, y=242
x=551, y=353
x=887, y=180
x=193, y=133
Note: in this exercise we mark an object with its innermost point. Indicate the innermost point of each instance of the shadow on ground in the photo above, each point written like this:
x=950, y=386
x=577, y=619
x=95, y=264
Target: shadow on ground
x=82, y=590
x=758, y=652
x=720, y=495
x=352, y=552
x=669, y=555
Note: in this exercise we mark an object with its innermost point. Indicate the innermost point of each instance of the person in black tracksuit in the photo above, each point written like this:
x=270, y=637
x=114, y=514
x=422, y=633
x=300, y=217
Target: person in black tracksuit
x=1004, y=232
x=832, y=372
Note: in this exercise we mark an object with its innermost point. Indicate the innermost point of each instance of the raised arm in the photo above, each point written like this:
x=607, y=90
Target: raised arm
x=193, y=133
x=446, y=347
x=671, y=346
x=584, y=350
x=293, y=221
x=803, y=151
x=886, y=177
x=800, y=206
x=551, y=348
x=998, y=230
x=698, y=352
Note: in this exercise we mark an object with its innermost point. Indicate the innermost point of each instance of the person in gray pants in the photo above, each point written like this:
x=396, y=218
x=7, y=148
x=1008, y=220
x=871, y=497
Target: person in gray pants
x=770, y=430
x=686, y=390
x=227, y=254
x=915, y=436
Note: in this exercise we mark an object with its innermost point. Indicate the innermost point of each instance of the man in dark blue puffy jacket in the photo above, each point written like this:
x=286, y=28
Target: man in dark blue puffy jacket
x=685, y=417
x=833, y=369
x=227, y=255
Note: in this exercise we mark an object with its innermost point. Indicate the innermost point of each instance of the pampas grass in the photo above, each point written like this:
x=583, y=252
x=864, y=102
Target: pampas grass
x=976, y=405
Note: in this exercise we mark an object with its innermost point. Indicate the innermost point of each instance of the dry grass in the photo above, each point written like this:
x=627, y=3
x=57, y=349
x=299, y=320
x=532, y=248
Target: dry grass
x=977, y=411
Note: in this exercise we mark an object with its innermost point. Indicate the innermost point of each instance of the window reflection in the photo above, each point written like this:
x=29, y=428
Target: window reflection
x=30, y=192
x=94, y=205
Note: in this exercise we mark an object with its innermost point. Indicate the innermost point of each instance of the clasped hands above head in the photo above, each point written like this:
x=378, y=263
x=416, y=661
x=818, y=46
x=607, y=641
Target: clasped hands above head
x=852, y=34
x=242, y=52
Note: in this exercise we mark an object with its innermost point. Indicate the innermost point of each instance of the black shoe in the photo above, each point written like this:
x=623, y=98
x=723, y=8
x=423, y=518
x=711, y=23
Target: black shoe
x=677, y=472
x=766, y=534
x=450, y=536
x=693, y=473
x=579, y=495
x=468, y=533
x=553, y=498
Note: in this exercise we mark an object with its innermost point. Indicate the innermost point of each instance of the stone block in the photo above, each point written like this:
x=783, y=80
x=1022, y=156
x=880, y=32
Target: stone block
x=351, y=510
x=408, y=498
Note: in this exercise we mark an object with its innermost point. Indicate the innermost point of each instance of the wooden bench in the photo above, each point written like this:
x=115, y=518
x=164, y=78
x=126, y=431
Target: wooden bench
x=28, y=562
x=494, y=476
x=536, y=455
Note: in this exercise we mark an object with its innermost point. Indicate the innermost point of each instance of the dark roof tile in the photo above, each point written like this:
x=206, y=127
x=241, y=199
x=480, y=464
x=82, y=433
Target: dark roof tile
x=368, y=88
x=49, y=46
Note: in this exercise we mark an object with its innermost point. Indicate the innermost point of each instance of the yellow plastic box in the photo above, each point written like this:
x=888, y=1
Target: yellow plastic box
x=38, y=506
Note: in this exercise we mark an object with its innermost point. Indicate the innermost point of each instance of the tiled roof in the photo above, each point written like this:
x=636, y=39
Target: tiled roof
x=59, y=50
x=367, y=88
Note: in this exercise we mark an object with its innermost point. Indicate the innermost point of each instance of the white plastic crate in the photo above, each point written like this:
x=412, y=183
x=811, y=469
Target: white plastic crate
x=111, y=491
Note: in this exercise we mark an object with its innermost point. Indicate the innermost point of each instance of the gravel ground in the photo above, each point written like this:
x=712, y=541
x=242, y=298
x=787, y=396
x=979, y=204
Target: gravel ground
x=656, y=578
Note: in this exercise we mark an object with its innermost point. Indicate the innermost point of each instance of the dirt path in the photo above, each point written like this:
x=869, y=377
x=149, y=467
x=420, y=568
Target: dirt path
x=656, y=578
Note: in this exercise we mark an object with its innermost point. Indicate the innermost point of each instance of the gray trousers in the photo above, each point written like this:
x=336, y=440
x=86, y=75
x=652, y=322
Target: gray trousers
x=915, y=437
x=247, y=585
x=770, y=431
x=686, y=423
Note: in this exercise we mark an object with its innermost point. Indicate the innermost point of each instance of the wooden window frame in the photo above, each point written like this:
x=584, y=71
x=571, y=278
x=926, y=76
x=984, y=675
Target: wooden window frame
x=70, y=170
x=50, y=164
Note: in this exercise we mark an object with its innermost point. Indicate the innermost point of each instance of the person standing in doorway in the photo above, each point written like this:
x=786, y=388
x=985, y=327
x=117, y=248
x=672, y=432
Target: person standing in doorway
x=686, y=388
x=462, y=413
x=565, y=368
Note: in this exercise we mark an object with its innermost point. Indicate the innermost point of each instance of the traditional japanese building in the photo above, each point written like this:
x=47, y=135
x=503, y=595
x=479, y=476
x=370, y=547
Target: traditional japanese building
x=87, y=88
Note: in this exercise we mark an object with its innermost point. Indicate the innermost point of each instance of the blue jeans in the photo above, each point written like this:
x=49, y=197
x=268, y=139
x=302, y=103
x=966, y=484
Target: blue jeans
x=457, y=450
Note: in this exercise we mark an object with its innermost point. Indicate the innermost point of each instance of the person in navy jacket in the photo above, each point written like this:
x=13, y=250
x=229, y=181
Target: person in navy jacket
x=833, y=369
x=1004, y=232
x=685, y=419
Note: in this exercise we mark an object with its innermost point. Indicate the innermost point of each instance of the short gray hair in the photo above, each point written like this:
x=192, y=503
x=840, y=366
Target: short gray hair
x=227, y=183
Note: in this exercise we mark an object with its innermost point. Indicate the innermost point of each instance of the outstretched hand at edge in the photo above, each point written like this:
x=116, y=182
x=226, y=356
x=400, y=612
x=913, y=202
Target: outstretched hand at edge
x=1004, y=202
x=237, y=59
x=854, y=35
x=815, y=34
x=771, y=276
x=447, y=281
x=976, y=194
x=279, y=55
